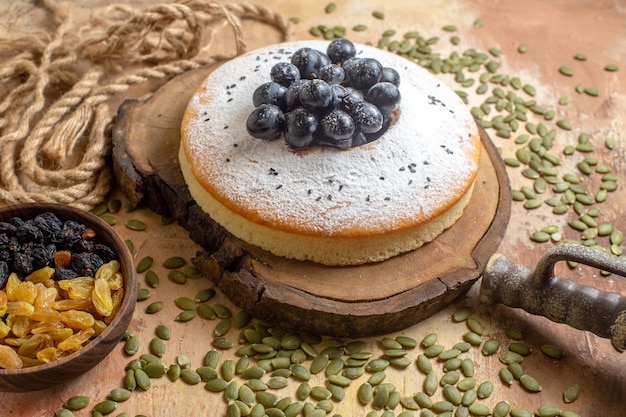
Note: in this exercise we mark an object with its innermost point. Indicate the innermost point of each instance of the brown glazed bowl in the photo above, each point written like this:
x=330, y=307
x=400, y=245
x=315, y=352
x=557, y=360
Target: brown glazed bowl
x=60, y=371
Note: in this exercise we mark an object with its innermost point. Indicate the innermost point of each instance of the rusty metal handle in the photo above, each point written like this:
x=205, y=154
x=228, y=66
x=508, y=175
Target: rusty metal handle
x=560, y=300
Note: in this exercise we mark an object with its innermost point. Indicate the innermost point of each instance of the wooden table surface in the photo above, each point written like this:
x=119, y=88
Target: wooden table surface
x=553, y=32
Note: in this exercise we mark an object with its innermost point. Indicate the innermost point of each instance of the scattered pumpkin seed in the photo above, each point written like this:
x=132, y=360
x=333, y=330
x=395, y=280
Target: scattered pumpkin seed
x=530, y=383
x=135, y=224
x=185, y=315
x=144, y=264
x=174, y=262
x=77, y=402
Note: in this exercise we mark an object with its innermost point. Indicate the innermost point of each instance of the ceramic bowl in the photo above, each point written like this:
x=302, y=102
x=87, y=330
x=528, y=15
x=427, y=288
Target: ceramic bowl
x=44, y=376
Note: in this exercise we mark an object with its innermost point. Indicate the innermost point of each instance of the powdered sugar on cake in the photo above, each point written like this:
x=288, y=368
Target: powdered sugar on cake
x=426, y=156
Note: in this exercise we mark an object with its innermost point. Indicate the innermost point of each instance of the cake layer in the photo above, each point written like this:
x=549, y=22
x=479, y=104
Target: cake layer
x=422, y=168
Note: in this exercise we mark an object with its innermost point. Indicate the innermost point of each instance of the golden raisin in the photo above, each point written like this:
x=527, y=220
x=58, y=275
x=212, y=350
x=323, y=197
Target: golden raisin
x=62, y=259
x=77, y=319
x=9, y=358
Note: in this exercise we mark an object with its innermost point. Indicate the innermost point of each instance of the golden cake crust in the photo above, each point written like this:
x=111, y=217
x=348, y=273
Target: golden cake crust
x=387, y=197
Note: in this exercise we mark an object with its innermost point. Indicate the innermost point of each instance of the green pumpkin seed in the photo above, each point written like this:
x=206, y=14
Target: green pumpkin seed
x=521, y=348
x=530, y=383
x=173, y=372
x=63, y=412
x=142, y=379
x=377, y=365
x=152, y=279
x=532, y=204
x=452, y=364
x=431, y=383
x=429, y=340
x=143, y=294
x=547, y=411
x=185, y=303
x=222, y=327
x=222, y=311
x=131, y=346
x=452, y=394
x=473, y=338
x=491, y=346
x=566, y=71
x=130, y=382
x=77, y=402
x=134, y=224
x=571, y=393
x=449, y=354
x=215, y=385
x=516, y=370
x=174, y=262
x=204, y=295
x=157, y=347
x=320, y=393
x=177, y=277
x=119, y=394
x=206, y=311
x=478, y=409
x=469, y=397
x=186, y=315
x=163, y=332
x=552, y=351
x=105, y=407
x=485, y=389
x=520, y=412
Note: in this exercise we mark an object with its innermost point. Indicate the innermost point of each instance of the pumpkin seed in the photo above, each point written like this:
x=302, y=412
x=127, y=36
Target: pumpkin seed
x=119, y=394
x=566, y=71
x=135, y=224
x=173, y=372
x=222, y=311
x=204, y=295
x=63, y=412
x=520, y=412
x=571, y=393
x=185, y=303
x=157, y=347
x=450, y=377
x=142, y=379
x=552, y=351
x=131, y=346
x=105, y=407
x=491, y=346
x=530, y=383
x=377, y=365
x=215, y=385
x=547, y=411
x=429, y=340
x=206, y=311
x=378, y=15
x=130, y=382
x=473, y=338
x=441, y=407
x=449, y=354
x=163, y=332
x=174, y=262
x=521, y=348
x=185, y=315
x=177, y=277
x=433, y=351
x=300, y=372
x=506, y=376
x=478, y=409
x=144, y=264
x=452, y=364
x=430, y=383
x=452, y=394
x=222, y=327
x=485, y=389
x=77, y=402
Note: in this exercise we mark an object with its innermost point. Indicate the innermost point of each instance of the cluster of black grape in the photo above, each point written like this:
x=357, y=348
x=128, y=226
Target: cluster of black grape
x=330, y=99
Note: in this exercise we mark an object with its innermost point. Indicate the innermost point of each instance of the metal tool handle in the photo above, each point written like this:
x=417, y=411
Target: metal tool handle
x=560, y=300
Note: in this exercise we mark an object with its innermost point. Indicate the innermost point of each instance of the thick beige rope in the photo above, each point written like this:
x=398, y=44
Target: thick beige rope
x=56, y=88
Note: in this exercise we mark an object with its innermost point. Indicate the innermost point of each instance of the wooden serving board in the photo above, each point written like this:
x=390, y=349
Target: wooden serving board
x=350, y=301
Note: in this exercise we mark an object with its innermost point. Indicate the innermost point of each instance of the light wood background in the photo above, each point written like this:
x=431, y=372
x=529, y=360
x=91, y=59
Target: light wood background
x=553, y=31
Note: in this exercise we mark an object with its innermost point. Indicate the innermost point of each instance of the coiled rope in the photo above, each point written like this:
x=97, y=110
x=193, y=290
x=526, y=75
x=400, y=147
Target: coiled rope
x=55, y=113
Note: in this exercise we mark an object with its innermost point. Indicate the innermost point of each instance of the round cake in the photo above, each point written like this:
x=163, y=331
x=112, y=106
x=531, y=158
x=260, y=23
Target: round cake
x=324, y=204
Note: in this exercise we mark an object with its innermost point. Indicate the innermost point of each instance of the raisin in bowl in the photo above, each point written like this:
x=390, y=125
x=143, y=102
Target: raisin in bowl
x=67, y=294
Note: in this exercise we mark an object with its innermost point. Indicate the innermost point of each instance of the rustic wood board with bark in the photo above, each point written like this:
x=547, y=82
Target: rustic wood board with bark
x=553, y=32
x=342, y=301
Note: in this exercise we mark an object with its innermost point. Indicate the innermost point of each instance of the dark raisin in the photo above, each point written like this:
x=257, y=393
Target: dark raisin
x=23, y=264
x=50, y=226
x=7, y=228
x=64, y=273
x=104, y=252
x=29, y=232
x=4, y=273
x=72, y=232
x=85, y=264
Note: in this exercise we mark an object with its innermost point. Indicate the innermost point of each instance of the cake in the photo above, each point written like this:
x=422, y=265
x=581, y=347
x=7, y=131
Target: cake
x=330, y=205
